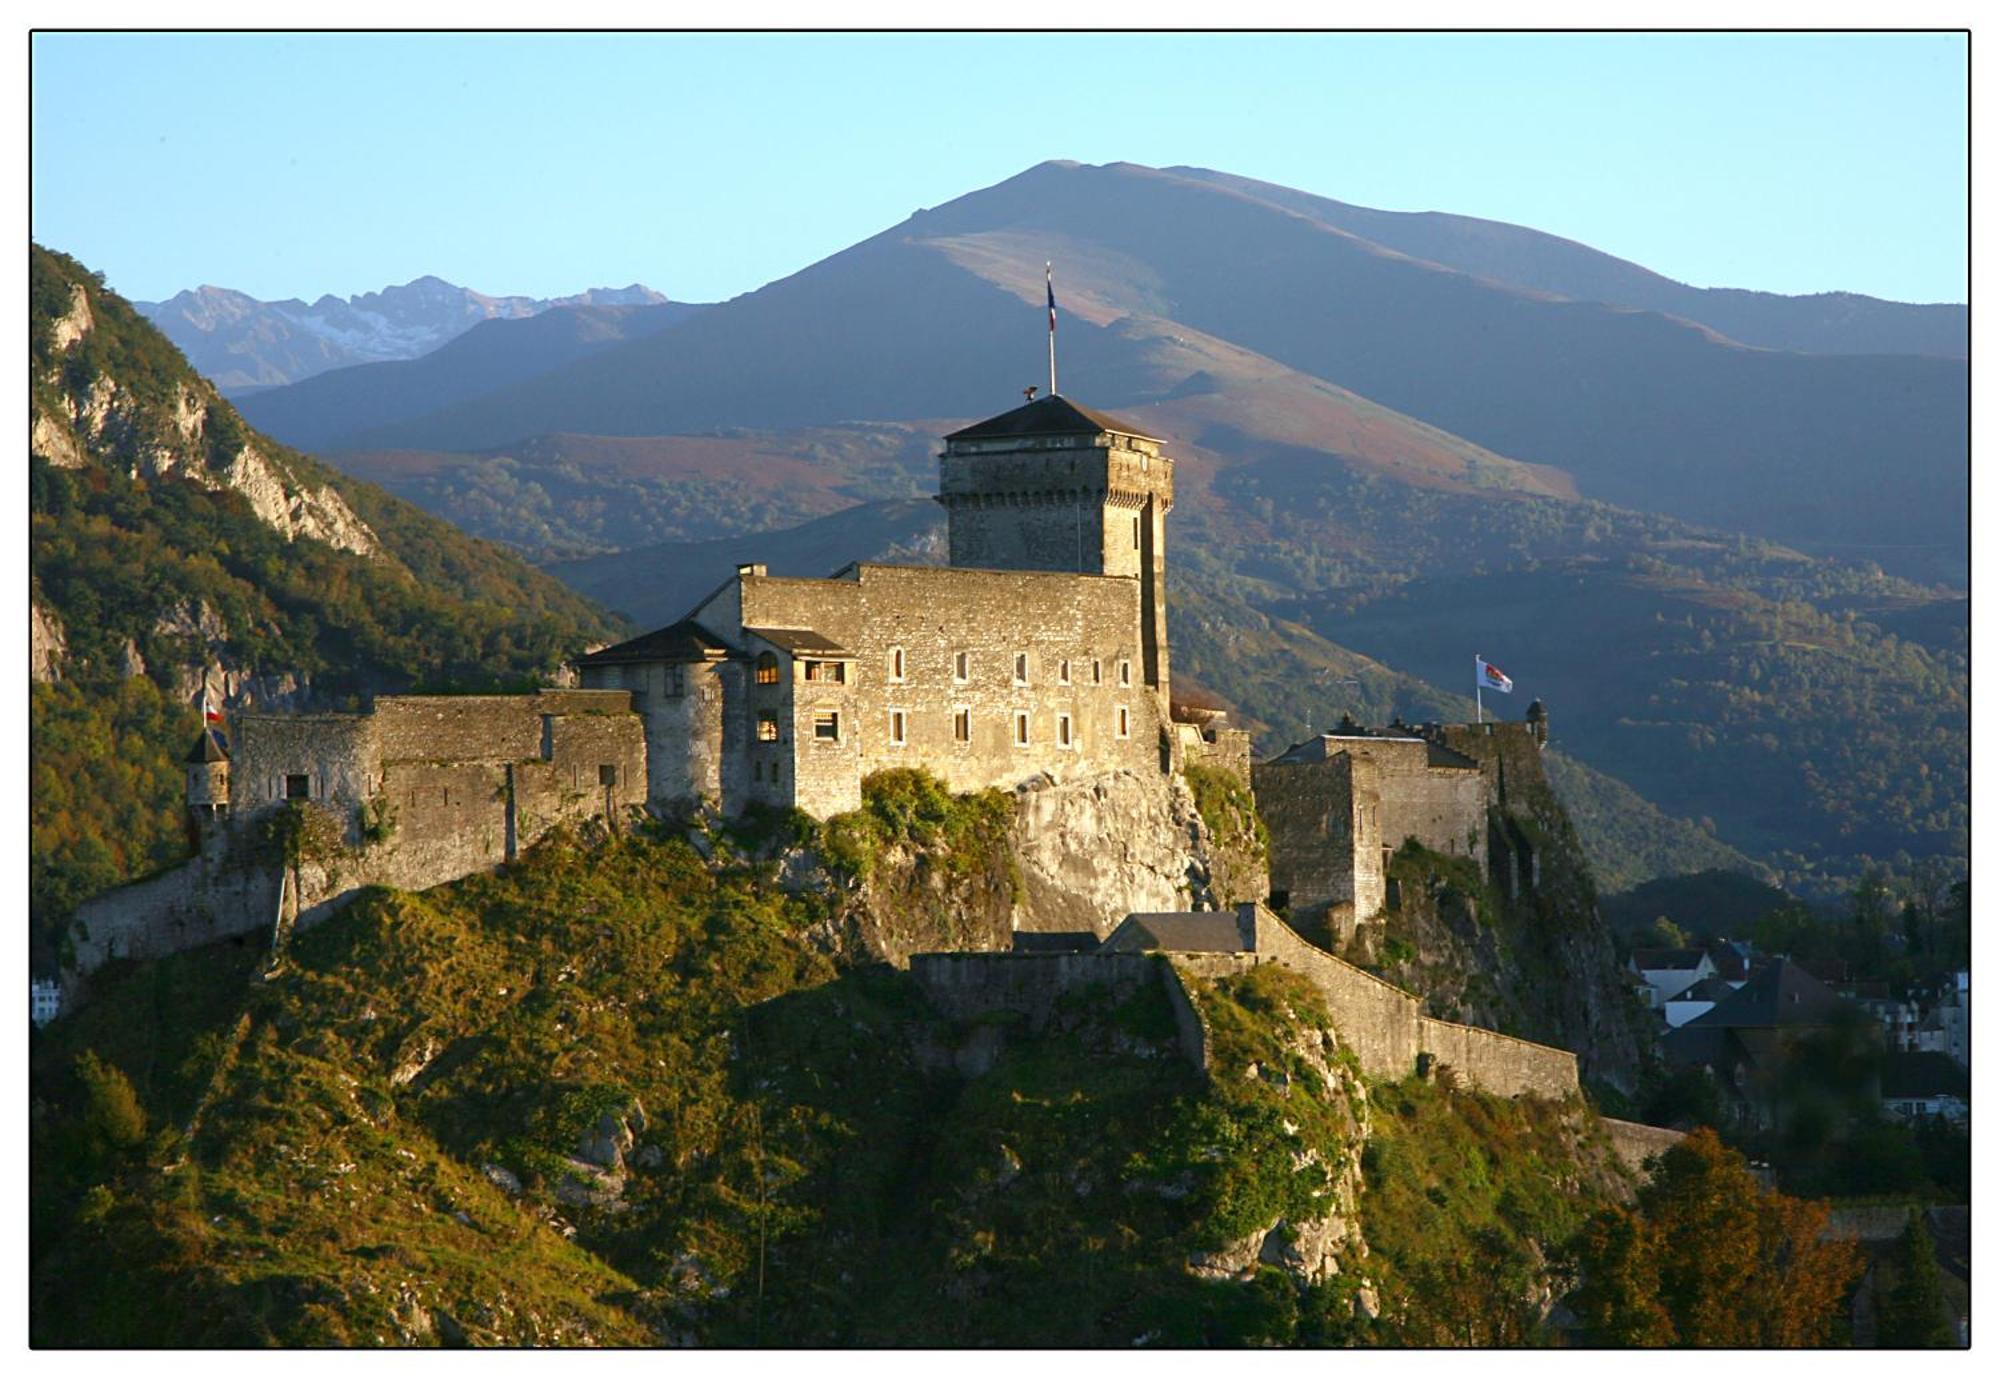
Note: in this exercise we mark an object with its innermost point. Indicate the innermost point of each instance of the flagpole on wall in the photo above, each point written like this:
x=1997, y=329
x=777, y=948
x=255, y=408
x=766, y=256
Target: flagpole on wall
x=1478, y=690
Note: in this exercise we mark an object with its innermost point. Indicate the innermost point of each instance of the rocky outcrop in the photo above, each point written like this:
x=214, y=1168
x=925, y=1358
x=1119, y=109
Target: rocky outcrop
x=1093, y=851
x=73, y=324
x=46, y=647
x=107, y=421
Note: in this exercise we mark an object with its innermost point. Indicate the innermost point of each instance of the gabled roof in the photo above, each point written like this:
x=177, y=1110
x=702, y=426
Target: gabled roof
x=207, y=748
x=1048, y=416
x=1707, y=989
x=1187, y=931
x=1728, y=961
x=1782, y=994
x=1667, y=959
x=685, y=640
x=1922, y=1075
x=798, y=639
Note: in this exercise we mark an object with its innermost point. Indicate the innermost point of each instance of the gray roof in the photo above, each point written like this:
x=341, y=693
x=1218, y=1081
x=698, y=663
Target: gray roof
x=1782, y=994
x=1923, y=1075
x=1047, y=416
x=685, y=640
x=208, y=748
x=1187, y=931
x=798, y=639
x=1062, y=941
x=1707, y=989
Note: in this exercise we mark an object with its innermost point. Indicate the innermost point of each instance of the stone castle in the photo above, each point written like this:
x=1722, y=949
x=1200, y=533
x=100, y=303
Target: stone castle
x=1038, y=654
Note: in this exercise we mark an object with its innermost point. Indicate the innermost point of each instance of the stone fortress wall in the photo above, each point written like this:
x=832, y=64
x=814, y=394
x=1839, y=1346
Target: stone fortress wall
x=422, y=790
x=1383, y=1024
x=1083, y=681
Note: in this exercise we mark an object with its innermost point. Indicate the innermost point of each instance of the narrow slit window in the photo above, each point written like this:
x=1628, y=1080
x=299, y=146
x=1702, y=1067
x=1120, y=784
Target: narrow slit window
x=1021, y=668
x=1020, y=727
x=961, y=667
x=896, y=664
x=1062, y=672
x=1124, y=721
x=1065, y=733
x=1135, y=533
x=1124, y=672
x=898, y=728
x=961, y=726
x=1096, y=672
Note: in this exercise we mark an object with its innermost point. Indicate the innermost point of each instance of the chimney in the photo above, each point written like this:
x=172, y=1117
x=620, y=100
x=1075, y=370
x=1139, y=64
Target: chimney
x=759, y=568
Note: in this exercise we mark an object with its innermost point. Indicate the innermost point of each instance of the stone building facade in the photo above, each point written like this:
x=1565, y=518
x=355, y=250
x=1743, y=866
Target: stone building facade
x=1041, y=649
x=1339, y=805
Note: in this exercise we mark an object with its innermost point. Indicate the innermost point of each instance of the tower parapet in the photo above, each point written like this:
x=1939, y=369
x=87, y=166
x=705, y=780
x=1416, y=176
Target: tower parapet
x=1055, y=486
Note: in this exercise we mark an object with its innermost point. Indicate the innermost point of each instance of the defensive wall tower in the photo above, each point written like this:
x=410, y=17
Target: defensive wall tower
x=1054, y=486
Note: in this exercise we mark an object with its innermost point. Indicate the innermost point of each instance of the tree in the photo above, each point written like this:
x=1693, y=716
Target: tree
x=1708, y=1256
x=1913, y=1313
x=112, y=1117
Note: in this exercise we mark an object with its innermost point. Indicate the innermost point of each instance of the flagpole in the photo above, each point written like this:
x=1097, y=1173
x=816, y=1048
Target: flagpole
x=1478, y=692
x=1050, y=269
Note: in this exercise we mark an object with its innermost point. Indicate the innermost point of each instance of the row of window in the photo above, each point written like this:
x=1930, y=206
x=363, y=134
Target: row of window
x=827, y=727
x=835, y=672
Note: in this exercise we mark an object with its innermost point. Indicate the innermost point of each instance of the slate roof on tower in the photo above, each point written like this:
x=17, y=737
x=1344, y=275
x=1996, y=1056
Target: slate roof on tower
x=685, y=640
x=208, y=748
x=1048, y=416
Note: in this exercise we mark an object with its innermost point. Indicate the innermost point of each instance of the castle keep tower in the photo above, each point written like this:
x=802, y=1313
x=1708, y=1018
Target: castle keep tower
x=1055, y=486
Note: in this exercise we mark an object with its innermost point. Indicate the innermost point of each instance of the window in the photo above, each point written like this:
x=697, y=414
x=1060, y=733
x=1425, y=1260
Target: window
x=1064, y=735
x=1135, y=533
x=1062, y=672
x=767, y=727
x=1096, y=672
x=298, y=787
x=826, y=725
x=1124, y=672
x=1020, y=727
x=898, y=726
x=961, y=667
x=607, y=774
x=896, y=664
x=1021, y=668
x=676, y=681
x=1124, y=721
x=827, y=672
x=961, y=726
x=767, y=669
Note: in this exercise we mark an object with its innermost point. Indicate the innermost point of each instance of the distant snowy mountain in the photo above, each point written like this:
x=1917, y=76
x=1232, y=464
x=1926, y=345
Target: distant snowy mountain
x=243, y=344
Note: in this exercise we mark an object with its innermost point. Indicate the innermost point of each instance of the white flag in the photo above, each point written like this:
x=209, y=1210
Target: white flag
x=1489, y=677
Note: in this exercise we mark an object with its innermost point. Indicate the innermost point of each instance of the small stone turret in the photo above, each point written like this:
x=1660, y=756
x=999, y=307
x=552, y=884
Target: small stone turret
x=1538, y=722
x=207, y=779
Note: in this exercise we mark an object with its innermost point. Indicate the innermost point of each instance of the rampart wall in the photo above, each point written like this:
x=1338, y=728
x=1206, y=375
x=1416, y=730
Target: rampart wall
x=1383, y=1024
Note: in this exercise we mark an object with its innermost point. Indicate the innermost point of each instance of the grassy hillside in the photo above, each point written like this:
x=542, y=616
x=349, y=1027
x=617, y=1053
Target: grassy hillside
x=156, y=579
x=380, y=1143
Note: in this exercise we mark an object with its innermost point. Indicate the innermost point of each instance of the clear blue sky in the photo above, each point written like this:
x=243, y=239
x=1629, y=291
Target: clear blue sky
x=709, y=165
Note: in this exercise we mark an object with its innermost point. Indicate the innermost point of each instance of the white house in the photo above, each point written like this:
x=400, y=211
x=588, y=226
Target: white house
x=44, y=1001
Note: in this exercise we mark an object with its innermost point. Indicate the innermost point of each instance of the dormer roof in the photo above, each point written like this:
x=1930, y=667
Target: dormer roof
x=1048, y=416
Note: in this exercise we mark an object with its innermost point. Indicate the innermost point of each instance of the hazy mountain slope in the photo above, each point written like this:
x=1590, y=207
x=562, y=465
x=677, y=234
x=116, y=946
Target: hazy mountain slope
x=239, y=342
x=493, y=354
x=1174, y=287
x=567, y=496
x=171, y=548
x=1823, y=322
